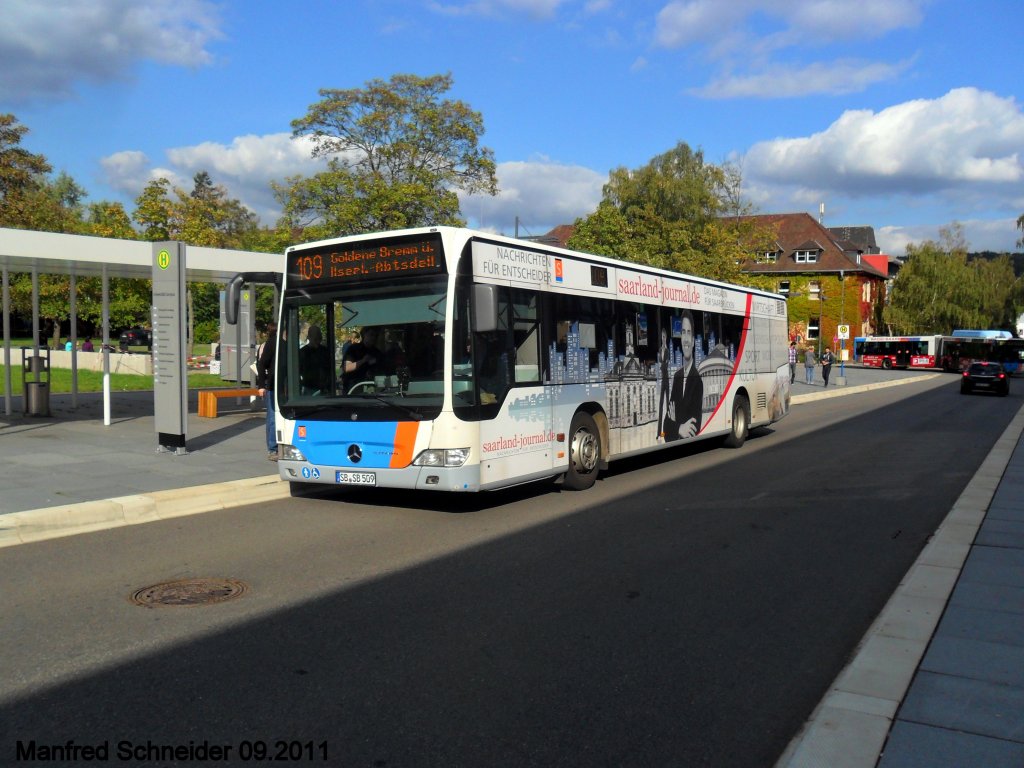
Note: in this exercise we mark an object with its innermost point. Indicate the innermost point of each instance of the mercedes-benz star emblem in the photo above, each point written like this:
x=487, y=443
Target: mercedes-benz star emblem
x=355, y=453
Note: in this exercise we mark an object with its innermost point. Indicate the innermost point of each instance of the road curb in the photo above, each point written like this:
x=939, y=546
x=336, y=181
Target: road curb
x=84, y=517
x=837, y=391
x=850, y=725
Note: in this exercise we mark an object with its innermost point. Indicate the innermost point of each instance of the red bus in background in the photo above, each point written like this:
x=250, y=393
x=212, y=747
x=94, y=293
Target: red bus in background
x=898, y=351
x=950, y=353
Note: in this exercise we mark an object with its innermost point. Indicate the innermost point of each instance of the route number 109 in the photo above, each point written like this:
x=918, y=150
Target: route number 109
x=311, y=267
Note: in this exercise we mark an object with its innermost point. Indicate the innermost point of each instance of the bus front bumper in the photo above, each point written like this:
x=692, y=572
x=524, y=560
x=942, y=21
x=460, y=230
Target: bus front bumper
x=458, y=479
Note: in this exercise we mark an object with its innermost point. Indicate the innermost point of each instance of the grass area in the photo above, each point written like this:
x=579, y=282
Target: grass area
x=198, y=350
x=92, y=381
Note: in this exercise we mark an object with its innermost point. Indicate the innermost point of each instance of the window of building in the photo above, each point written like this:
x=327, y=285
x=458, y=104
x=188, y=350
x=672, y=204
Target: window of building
x=812, y=328
x=814, y=290
x=769, y=257
x=806, y=257
x=784, y=287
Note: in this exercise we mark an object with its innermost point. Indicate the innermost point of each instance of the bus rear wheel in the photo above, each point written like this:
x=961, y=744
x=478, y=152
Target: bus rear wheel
x=887, y=363
x=740, y=422
x=584, y=452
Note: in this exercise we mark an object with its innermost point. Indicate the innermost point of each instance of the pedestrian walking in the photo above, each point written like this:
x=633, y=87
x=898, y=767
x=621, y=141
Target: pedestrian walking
x=792, y=361
x=826, y=364
x=809, y=365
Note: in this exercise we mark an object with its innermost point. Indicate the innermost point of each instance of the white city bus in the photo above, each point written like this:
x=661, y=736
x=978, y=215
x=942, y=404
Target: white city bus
x=457, y=360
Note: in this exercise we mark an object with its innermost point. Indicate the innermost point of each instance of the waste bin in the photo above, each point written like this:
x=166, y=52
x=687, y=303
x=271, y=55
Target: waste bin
x=37, y=398
x=36, y=364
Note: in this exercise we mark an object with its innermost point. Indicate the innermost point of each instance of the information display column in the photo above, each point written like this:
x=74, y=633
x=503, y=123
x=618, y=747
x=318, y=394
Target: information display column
x=170, y=377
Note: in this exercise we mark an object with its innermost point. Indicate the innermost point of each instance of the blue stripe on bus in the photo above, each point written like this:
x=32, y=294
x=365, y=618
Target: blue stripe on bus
x=329, y=442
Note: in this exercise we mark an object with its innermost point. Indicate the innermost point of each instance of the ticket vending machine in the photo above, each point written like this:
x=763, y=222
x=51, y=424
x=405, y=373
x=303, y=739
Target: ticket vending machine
x=238, y=342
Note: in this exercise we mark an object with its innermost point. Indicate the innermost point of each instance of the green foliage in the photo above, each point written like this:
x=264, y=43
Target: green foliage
x=938, y=289
x=22, y=175
x=207, y=331
x=666, y=214
x=206, y=217
x=398, y=153
x=107, y=219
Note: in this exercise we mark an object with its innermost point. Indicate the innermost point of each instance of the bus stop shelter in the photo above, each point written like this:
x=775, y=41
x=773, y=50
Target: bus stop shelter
x=35, y=253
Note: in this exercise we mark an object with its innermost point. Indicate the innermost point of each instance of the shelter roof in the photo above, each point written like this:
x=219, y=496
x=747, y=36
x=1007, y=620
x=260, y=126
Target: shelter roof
x=83, y=255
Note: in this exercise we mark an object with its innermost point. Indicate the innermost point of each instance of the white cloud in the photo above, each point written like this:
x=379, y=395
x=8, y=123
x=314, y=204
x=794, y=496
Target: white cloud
x=48, y=47
x=743, y=36
x=954, y=158
x=782, y=23
x=996, y=235
x=786, y=81
x=245, y=168
x=538, y=9
x=959, y=141
x=542, y=194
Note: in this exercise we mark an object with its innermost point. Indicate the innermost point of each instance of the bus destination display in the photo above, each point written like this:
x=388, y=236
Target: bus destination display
x=362, y=261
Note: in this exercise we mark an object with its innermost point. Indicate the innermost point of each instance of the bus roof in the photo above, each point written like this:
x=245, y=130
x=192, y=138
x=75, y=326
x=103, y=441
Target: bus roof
x=969, y=334
x=520, y=243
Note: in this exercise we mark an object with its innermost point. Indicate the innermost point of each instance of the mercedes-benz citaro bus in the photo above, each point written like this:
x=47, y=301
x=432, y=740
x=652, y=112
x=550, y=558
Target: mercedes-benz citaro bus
x=448, y=359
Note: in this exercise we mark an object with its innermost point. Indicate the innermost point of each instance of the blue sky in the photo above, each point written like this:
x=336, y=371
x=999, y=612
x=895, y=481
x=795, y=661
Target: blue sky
x=904, y=115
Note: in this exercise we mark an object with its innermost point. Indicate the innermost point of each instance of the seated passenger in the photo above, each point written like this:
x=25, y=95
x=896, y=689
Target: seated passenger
x=314, y=363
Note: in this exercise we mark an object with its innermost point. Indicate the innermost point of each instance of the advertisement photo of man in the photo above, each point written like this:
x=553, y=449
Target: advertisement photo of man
x=687, y=397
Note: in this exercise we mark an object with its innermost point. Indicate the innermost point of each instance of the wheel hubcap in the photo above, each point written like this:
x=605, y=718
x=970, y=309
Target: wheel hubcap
x=584, y=451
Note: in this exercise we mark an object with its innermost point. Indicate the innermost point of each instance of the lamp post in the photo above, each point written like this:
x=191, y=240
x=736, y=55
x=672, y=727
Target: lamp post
x=842, y=321
x=821, y=309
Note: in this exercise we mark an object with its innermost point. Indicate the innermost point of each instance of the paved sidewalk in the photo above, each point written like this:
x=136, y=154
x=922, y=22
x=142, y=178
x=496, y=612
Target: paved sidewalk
x=965, y=706
x=68, y=473
x=925, y=693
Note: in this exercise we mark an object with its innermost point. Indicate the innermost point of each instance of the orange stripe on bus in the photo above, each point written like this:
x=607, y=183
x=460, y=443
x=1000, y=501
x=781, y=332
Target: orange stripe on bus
x=405, y=442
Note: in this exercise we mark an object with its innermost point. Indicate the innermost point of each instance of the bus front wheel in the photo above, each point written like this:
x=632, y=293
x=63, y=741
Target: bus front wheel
x=740, y=422
x=584, y=452
x=887, y=363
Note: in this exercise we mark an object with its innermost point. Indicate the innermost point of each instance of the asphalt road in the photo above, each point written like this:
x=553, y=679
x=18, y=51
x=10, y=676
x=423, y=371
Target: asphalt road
x=688, y=610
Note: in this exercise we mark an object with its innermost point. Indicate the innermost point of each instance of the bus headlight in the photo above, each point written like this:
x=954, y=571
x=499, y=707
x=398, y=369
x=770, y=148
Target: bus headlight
x=446, y=457
x=290, y=453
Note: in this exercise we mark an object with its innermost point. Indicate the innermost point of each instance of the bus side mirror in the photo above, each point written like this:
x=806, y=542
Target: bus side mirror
x=485, y=308
x=232, y=299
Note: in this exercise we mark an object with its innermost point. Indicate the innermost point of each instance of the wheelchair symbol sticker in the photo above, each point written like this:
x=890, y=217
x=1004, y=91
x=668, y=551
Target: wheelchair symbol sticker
x=313, y=472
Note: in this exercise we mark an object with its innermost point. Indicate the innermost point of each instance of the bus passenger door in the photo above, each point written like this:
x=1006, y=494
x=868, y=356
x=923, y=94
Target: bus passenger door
x=516, y=441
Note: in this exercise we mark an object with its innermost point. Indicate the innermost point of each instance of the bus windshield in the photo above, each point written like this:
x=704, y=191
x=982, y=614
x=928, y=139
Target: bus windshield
x=372, y=351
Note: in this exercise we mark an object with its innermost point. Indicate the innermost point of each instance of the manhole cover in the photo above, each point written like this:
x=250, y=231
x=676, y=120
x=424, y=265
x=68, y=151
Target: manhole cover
x=190, y=592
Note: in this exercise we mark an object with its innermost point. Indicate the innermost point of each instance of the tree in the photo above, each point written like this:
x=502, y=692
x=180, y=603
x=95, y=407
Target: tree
x=205, y=216
x=667, y=214
x=398, y=155
x=107, y=219
x=938, y=289
x=21, y=173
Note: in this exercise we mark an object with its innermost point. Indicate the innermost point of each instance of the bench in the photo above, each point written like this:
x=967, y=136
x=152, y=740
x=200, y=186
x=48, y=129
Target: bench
x=208, y=399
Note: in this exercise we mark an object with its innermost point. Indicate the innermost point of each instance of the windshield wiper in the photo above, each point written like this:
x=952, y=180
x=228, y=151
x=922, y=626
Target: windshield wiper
x=291, y=411
x=415, y=415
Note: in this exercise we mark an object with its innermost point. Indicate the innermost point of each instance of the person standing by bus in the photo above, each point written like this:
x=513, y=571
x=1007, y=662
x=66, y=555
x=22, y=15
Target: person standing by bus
x=809, y=365
x=265, y=383
x=792, y=361
x=826, y=364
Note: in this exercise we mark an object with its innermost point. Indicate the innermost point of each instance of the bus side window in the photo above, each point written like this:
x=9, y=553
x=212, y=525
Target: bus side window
x=526, y=333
